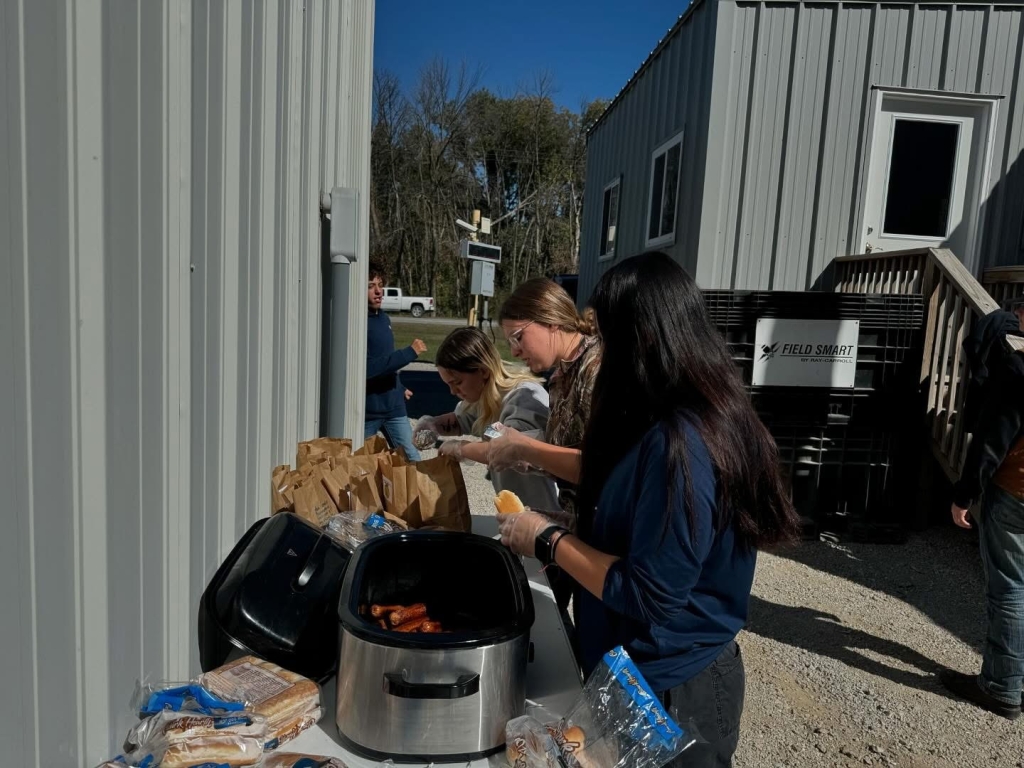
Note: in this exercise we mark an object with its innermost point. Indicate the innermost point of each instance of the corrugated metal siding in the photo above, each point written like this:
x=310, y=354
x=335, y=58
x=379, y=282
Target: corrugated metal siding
x=671, y=95
x=786, y=130
x=161, y=168
x=789, y=126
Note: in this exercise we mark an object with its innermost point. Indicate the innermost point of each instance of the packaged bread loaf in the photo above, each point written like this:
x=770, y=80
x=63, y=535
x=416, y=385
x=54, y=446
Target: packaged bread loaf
x=289, y=702
x=169, y=726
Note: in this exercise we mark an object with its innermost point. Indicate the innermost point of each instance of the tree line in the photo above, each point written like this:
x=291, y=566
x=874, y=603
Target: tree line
x=444, y=147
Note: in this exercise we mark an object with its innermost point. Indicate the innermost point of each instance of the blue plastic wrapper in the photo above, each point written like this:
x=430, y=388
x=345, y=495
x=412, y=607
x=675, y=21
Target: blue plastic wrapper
x=617, y=722
x=151, y=698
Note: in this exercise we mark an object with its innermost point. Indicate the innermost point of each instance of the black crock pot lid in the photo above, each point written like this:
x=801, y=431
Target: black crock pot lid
x=208, y=601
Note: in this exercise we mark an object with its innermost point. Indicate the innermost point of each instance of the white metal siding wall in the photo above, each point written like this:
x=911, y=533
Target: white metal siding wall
x=160, y=173
x=673, y=94
x=789, y=126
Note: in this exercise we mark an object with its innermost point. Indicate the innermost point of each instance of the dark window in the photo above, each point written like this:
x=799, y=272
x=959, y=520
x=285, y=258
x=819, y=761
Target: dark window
x=922, y=165
x=609, y=219
x=661, y=222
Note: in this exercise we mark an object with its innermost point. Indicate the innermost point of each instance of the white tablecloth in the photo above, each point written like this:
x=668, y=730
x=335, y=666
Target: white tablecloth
x=552, y=681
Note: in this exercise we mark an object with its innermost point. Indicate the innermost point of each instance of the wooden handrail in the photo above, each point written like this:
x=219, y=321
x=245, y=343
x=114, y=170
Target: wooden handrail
x=954, y=301
x=1004, y=283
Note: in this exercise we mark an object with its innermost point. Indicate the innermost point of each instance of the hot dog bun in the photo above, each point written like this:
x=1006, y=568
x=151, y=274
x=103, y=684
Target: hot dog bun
x=508, y=503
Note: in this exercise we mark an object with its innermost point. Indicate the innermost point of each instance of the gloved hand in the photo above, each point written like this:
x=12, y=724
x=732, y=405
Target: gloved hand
x=452, y=448
x=447, y=425
x=519, y=531
x=424, y=434
x=508, y=451
x=562, y=518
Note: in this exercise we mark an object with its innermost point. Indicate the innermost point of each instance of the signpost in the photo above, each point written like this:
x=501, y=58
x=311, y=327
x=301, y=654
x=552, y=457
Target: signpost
x=484, y=257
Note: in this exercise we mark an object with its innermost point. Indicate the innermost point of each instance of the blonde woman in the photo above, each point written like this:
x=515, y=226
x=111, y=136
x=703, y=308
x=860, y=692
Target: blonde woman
x=544, y=330
x=491, y=392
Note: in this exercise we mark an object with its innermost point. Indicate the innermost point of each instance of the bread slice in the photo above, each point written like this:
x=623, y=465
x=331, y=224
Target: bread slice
x=233, y=751
x=508, y=503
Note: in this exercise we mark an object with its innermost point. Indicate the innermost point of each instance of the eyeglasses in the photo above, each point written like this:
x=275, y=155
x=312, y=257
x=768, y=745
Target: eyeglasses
x=515, y=339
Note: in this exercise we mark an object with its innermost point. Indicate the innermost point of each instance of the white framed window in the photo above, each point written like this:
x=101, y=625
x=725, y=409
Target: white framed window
x=663, y=200
x=610, y=218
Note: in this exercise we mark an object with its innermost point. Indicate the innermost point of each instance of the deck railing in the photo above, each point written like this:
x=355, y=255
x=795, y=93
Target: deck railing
x=1004, y=283
x=954, y=300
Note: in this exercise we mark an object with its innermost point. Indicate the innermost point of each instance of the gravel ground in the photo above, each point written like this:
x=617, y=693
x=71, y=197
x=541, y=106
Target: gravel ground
x=842, y=650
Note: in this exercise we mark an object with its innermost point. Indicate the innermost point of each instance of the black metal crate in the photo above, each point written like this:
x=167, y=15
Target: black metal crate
x=847, y=452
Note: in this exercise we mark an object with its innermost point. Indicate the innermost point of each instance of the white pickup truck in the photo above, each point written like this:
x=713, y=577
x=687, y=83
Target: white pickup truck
x=394, y=301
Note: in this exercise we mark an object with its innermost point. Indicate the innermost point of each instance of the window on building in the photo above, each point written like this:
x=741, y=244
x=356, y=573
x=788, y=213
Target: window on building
x=610, y=219
x=664, y=198
x=922, y=168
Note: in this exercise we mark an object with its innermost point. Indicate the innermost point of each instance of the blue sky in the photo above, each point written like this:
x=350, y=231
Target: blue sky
x=590, y=47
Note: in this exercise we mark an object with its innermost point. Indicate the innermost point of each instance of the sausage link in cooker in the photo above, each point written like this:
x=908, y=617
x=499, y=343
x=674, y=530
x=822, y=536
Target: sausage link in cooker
x=403, y=615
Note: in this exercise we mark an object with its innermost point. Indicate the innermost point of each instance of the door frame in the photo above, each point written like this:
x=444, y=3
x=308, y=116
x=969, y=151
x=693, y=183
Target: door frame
x=986, y=123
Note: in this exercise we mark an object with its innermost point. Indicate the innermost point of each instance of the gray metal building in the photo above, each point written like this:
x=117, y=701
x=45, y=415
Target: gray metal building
x=762, y=138
x=161, y=168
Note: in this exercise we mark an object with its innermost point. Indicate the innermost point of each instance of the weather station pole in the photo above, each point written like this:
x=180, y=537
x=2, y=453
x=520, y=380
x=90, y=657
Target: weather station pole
x=483, y=258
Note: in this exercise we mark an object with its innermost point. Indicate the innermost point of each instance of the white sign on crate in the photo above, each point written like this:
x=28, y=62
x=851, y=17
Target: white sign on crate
x=805, y=353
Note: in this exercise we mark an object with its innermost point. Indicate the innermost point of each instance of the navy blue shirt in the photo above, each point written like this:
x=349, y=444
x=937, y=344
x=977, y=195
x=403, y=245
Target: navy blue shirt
x=385, y=395
x=673, y=600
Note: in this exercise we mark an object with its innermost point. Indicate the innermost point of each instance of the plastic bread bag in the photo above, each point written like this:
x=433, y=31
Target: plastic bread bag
x=529, y=744
x=296, y=760
x=150, y=698
x=223, y=750
x=289, y=702
x=169, y=726
x=618, y=722
x=353, y=528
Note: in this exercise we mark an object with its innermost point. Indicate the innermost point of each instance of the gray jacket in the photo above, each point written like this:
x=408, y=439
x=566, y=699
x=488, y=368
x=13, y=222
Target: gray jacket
x=524, y=409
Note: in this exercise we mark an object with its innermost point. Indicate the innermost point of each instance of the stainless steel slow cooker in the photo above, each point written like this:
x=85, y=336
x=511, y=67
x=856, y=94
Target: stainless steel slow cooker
x=441, y=697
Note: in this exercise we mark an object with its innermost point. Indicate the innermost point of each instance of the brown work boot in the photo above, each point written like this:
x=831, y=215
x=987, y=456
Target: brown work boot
x=967, y=687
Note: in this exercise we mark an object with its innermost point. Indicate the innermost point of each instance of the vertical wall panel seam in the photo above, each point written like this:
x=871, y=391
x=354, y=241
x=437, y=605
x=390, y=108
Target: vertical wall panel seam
x=27, y=383
x=75, y=384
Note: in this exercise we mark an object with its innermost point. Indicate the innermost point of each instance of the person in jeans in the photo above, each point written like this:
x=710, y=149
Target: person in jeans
x=680, y=486
x=385, y=395
x=994, y=472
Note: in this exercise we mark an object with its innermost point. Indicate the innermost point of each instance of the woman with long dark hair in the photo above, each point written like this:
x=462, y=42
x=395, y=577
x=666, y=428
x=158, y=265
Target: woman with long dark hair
x=680, y=486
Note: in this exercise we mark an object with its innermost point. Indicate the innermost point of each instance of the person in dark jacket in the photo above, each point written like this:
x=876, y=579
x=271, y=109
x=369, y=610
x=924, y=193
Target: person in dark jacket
x=994, y=472
x=385, y=395
x=680, y=486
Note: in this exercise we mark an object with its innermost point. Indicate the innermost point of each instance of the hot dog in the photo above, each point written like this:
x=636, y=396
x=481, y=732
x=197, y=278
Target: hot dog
x=431, y=626
x=405, y=615
x=412, y=626
x=378, y=611
x=383, y=624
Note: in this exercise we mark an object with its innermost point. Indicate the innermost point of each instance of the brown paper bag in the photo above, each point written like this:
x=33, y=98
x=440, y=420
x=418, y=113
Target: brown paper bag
x=401, y=492
x=372, y=446
x=279, y=501
x=364, y=495
x=313, y=503
x=441, y=495
x=322, y=446
x=336, y=484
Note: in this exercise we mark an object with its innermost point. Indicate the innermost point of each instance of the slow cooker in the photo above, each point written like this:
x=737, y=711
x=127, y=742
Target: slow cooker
x=437, y=697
